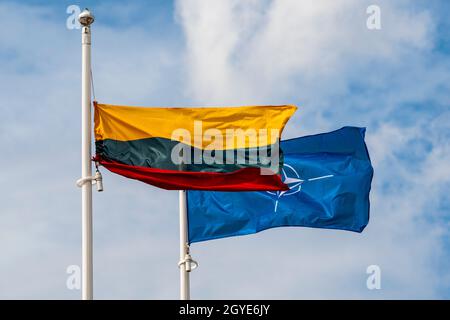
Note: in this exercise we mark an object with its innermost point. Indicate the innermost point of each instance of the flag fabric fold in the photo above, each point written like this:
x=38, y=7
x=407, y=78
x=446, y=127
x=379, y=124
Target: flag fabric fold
x=193, y=148
x=329, y=177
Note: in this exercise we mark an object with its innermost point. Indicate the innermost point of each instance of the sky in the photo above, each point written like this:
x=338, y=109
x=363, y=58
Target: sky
x=319, y=55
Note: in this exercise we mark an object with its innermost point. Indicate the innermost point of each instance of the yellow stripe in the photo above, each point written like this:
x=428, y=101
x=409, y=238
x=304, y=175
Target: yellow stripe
x=125, y=123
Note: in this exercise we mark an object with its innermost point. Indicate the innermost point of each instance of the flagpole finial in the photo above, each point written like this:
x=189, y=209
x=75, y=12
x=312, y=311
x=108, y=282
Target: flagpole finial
x=86, y=18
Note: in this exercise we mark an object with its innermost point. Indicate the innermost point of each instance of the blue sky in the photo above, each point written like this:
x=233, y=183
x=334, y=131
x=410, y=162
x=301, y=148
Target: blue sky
x=394, y=81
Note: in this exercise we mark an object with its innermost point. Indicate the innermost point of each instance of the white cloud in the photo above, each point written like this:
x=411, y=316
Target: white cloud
x=260, y=50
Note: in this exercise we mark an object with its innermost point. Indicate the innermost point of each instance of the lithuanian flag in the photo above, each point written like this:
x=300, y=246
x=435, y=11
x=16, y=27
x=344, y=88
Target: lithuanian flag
x=221, y=148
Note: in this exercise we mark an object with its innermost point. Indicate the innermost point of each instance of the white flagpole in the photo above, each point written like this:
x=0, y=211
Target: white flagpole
x=86, y=19
x=184, y=263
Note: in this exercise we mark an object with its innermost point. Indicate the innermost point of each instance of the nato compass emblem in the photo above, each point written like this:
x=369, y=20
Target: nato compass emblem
x=292, y=179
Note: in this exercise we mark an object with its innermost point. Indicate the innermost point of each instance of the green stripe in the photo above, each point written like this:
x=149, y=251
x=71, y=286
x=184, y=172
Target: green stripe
x=156, y=153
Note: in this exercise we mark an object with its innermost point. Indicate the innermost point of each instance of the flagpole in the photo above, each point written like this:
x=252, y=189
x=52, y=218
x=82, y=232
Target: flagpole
x=86, y=19
x=184, y=263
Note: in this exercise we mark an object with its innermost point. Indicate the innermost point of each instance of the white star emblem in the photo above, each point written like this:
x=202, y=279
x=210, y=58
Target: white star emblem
x=294, y=183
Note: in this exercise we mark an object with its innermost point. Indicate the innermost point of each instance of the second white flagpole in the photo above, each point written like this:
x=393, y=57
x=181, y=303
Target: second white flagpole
x=184, y=263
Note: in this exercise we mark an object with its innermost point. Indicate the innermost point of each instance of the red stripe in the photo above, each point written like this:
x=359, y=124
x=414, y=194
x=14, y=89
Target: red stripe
x=246, y=179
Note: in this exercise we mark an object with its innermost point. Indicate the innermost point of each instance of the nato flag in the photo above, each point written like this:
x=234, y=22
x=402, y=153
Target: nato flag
x=329, y=176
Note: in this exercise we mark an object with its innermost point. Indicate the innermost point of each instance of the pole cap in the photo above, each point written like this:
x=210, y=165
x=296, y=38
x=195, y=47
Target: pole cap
x=86, y=18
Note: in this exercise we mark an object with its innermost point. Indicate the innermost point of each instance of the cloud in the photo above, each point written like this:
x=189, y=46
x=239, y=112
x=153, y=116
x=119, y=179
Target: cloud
x=235, y=49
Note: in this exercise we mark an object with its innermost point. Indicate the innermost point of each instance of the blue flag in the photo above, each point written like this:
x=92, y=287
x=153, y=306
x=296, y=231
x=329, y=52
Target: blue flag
x=329, y=176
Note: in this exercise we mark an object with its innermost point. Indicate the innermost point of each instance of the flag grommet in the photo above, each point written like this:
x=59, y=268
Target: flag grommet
x=95, y=179
x=190, y=264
